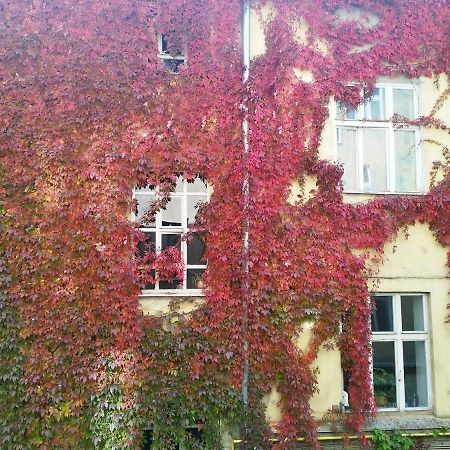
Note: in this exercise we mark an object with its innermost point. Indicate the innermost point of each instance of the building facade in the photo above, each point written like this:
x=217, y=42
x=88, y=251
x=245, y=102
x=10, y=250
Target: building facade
x=410, y=283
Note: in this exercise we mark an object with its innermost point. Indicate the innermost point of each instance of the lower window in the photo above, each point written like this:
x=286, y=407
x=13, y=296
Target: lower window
x=400, y=351
x=193, y=434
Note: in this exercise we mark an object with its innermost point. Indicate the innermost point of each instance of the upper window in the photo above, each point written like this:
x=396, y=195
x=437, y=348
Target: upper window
x=377, y=157
x=168, y=228
x=400, y=351
x=172, y=51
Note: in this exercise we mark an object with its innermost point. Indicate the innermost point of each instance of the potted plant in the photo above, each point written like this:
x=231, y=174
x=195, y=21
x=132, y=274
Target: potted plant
x=198, y=281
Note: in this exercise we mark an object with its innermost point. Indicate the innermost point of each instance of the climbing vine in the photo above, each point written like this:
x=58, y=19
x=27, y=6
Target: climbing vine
x=88, y=111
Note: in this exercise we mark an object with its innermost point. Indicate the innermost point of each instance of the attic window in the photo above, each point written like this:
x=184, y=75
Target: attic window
x=172, y=50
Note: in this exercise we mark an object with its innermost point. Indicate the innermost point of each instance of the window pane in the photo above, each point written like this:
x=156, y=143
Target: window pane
x=374, y=109
x=414, y=363
x=384, y=386
x=195, y=251
x=171, y=216
x=345, y=112
x=383, y=314
x=374, y=160
x=164, y=44
x=347, y=155
x=143, y=247
x=197, y=185
x=194, y=278
x=404, y=102
x=148, y=244
x=143, y=203
x=175, y=284
x=405, y=161
x=412, y=313
x=179, y=187
x=173, y=65
x=192, y=207
x=153, y=275
x=170, y=240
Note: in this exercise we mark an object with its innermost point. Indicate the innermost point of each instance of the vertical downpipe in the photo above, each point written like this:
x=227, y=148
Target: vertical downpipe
x=246, y=200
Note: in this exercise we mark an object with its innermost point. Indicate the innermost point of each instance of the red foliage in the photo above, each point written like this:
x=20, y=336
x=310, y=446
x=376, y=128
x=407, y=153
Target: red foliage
x=88, y=111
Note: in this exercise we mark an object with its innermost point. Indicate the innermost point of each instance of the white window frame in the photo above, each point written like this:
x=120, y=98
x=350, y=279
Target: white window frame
x=159, y=230
x=166, y=56
x=398, y=337
x=361, y=122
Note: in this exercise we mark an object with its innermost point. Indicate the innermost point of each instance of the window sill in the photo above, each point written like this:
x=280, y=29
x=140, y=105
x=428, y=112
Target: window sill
x=419, y=409
x=172, y=293
x=383, y=193
x=406, y=420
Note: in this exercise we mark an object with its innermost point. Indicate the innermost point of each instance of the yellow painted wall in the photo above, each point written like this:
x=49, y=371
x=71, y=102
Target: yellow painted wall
x=329, y=381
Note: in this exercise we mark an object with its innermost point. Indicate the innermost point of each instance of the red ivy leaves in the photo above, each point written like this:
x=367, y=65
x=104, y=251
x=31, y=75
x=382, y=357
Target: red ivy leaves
x=88, y=111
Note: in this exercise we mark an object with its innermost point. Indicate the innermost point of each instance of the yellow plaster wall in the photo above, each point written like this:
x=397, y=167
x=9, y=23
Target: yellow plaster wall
x=329, y=381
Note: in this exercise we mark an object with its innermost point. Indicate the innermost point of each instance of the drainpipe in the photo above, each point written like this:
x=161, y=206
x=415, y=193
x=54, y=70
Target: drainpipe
x=246, y=200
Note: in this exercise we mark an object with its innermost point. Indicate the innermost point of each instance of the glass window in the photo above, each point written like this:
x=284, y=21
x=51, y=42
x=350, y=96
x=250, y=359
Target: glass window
x=171, y=215
x=384, y=385
x=169, y=226
x=399, y=351
x=347, y=155
x=377, y=157
x=383, y=313
x=193, y=204
x=403, y=100
x=171, y=50
x=345, y=112
x=374, y=108
x=374, y=160
x=405, y=160
x=414, y=363
x=412, y=313
x=143, y=203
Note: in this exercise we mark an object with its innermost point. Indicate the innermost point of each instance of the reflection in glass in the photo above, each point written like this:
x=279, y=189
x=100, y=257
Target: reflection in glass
x=346, y=140
x=143, y=203
x=345, y=112
x=195, y=251
x=383, y=314
x=170, y=240
x=374, y=109
x=148, y=244
x=171, y=215
x=412, y=313
x=415, y=374
x=151, y=285
x=193, y=204
x=374, y=160
x=164, y=284
x=405, y=161
x=384, y=385
x=404, y=102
